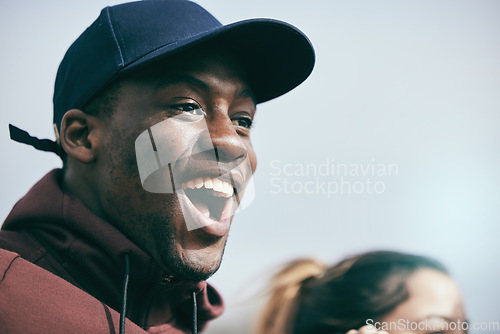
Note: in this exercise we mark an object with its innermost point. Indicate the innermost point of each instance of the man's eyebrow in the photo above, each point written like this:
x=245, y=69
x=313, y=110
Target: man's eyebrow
x=182, y=78
x=199, y=84
x=246, y=92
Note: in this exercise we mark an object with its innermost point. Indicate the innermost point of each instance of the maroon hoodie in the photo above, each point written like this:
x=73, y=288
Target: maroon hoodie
x=55, y=231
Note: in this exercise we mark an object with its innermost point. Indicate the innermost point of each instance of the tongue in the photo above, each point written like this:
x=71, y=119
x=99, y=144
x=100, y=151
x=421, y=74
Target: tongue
x=227, y=211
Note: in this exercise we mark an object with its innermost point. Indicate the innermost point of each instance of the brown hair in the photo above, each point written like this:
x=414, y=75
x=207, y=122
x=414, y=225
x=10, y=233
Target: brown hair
x=285, y=287
x=309, y=297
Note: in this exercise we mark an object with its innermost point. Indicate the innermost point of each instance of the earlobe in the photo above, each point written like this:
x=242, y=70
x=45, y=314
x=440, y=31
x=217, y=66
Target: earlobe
x=78, y=135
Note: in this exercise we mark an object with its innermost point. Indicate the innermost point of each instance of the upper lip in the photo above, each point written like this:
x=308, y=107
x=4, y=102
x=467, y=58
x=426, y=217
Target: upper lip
x=201, y=165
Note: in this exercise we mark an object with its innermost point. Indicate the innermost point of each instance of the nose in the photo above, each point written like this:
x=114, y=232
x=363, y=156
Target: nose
x=229, y=149
x=224, y=140
x=228, y=145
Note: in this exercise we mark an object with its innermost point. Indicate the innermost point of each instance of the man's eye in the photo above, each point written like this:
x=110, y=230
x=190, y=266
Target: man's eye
x=190, y=108
x=243, y=122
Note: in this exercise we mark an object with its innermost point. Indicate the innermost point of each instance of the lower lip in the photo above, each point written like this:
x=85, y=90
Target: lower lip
x=217, y=228
x=209, y=226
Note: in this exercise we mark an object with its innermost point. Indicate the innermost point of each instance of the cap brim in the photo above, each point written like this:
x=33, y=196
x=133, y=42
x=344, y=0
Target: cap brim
x=278, y=56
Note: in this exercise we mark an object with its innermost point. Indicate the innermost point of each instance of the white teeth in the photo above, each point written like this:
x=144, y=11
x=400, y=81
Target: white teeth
x=208, y=183
x=228, y=189
x=217, y=185
x=199, y=183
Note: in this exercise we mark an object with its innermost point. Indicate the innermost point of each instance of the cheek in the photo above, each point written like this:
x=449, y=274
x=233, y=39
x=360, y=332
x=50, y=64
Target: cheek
x=120, y=174
x=252, y=157
x=175, y=139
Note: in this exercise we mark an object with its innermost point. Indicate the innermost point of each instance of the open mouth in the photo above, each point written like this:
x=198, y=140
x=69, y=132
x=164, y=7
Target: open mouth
x=210, y=196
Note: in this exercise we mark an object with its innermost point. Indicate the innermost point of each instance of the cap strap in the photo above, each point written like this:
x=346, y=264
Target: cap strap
x=24, y=137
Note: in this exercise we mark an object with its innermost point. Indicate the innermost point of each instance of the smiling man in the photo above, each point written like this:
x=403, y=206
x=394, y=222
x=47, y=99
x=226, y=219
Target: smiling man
x=153, y=107
x=191, y=116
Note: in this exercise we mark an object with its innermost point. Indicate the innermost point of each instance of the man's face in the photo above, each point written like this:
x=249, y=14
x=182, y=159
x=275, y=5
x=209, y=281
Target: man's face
x=199, y=113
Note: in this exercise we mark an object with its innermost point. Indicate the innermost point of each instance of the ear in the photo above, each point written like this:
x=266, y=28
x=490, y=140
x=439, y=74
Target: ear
x=80, y=135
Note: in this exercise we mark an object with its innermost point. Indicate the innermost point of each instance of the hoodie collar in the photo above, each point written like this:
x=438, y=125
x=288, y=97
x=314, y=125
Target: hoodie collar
x=91, y=251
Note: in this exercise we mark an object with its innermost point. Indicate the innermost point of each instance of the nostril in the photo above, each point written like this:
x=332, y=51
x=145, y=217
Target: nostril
x=229, y=153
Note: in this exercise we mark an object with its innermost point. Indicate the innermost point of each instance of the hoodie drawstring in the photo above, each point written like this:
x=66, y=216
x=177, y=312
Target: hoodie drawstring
x=195, y=314
x=126, y=258
x=126, y=275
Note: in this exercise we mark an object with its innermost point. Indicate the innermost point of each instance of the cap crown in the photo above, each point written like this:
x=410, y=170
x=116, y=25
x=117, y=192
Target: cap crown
x=120, y=36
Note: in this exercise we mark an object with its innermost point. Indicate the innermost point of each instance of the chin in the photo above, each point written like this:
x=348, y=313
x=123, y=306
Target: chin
x=189, y=255
x=194, y=265
x=200, y=272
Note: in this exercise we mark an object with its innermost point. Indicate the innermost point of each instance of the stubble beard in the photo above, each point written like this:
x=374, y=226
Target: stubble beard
x=188, y=269
x=154, y=232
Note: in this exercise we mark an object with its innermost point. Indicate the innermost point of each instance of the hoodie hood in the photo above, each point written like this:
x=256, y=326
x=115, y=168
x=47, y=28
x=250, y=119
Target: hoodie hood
x=56, y=231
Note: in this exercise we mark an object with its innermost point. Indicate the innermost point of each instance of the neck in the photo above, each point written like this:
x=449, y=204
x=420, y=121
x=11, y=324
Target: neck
x=78, y=183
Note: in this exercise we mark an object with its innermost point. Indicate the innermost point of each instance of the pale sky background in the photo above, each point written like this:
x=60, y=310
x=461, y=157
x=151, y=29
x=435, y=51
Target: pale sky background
x=412, y=84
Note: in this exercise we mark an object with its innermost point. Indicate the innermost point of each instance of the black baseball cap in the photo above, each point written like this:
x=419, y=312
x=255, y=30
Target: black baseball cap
x=278, y=56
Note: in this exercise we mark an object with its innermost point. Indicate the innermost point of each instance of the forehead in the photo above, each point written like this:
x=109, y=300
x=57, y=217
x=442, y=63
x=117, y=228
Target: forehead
x=211, y=76
x=432, y=285
x=431, y=292
x=216, y=61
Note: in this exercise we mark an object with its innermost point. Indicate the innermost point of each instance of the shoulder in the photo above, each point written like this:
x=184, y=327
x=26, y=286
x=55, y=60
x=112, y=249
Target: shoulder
x=33, y=300
x=6, y=259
